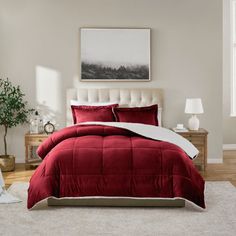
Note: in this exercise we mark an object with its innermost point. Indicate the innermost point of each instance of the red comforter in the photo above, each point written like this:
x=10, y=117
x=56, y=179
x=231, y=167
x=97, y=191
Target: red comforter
x=106, y=161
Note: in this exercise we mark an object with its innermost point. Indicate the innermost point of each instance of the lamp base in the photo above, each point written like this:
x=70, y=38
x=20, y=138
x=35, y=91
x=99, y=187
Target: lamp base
x=193, y=123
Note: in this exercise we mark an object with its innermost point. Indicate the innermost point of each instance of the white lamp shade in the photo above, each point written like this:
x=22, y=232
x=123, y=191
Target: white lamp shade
x=193, y=106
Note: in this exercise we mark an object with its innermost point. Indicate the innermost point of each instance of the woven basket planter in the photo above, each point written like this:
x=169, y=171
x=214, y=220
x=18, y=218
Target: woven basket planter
x=7, y=163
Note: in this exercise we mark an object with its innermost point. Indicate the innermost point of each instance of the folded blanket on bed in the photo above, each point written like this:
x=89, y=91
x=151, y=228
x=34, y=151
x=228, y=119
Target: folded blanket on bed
x=102, y=160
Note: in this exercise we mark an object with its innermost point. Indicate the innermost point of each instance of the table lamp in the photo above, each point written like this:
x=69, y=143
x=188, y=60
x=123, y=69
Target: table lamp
x=193, y=106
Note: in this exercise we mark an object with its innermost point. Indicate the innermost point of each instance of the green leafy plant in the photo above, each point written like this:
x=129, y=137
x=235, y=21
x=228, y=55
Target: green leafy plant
x=13, y=108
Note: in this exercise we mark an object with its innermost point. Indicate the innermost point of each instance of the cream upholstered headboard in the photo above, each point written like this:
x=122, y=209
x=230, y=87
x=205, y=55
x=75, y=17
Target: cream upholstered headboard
x=125, y=97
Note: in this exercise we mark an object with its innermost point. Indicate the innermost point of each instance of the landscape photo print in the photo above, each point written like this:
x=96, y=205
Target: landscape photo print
x=115, y=54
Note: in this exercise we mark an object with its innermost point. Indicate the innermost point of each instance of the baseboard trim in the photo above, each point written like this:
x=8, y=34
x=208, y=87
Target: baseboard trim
x=214, y=161
x=227, y=147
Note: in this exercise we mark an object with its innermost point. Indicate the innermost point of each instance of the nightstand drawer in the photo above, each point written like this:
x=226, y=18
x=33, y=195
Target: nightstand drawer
x=35, y=140
x=32, y=141
x=200, y=149
x=187, y=136
x=200, y=155
x=198, y=159
x=197, y=140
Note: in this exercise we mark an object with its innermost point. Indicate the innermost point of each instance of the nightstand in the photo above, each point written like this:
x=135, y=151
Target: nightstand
x=32, y=141
x=199, y=140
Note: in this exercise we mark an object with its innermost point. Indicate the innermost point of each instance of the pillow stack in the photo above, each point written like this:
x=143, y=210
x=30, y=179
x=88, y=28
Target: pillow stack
x=110, y=112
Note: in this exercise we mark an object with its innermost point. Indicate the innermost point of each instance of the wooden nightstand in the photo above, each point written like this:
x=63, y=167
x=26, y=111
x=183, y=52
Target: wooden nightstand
x=32, y=141
x=199, y=140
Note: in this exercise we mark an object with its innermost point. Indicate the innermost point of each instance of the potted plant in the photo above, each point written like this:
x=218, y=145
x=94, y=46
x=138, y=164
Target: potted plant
x=13, y=111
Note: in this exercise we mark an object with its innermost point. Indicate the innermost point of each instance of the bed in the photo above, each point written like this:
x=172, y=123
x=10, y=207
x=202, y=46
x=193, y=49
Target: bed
x=116, y=163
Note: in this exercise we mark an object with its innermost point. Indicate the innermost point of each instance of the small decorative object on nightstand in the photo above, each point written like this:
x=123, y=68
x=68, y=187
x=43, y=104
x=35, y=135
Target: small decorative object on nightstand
x=32, y=141
x=199, y=140
x=49, y=128
x=36, y=124
x=180, y=128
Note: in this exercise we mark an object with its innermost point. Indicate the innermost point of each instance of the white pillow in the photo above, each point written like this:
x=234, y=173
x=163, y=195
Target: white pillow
x=78, y=103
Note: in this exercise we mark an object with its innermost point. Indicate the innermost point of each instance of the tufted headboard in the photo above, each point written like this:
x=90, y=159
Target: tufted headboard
x=125, y=97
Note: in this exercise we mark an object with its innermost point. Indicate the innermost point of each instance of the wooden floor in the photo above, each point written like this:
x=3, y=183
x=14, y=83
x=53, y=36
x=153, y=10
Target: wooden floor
x=215, y=172
x=225, y=171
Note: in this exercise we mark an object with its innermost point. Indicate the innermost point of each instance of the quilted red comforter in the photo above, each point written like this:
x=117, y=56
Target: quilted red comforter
x=106, y=161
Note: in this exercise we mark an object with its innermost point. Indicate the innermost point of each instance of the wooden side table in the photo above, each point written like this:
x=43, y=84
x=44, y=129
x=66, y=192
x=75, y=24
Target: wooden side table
x=32, y=141
x=199, y=140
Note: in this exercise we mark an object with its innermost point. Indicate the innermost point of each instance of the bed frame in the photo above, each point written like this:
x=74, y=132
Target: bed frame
x=117, y=202
x=125, y=97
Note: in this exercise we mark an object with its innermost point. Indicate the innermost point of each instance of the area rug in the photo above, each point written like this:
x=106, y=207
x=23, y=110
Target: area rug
x=218, y=219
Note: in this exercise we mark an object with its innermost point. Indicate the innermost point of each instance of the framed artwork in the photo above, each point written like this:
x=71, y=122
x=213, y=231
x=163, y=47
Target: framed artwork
x=115, y=54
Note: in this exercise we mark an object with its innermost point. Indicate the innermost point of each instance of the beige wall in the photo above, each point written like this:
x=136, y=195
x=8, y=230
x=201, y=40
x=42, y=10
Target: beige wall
x=186, y=52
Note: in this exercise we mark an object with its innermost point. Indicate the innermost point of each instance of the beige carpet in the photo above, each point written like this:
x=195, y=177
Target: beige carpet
x=219, y=219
